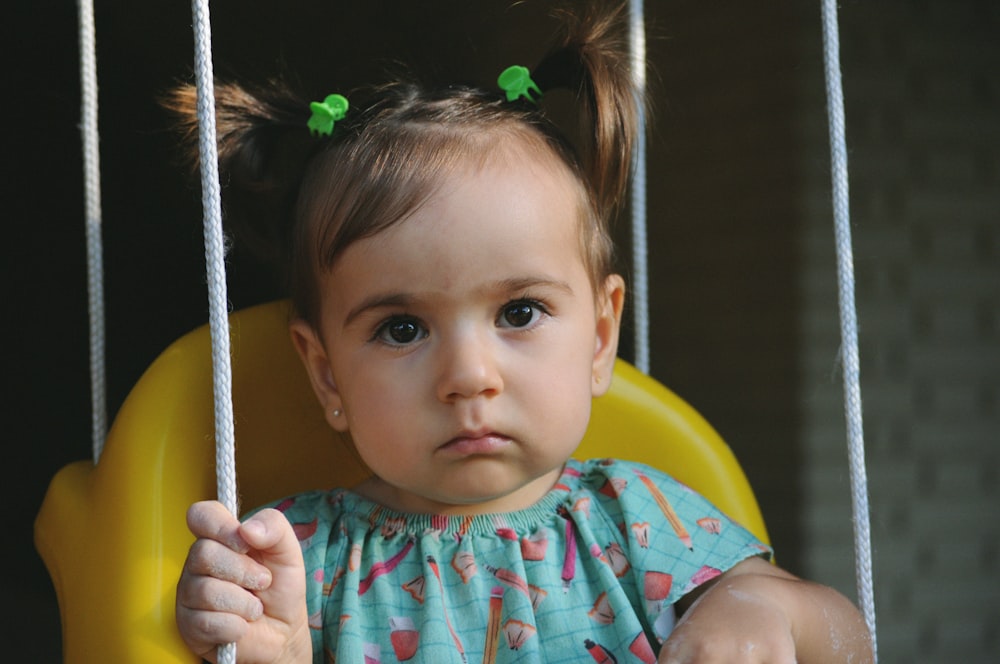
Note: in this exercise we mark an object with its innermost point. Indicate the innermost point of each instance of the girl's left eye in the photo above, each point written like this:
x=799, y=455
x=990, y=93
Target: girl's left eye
x=520, y=314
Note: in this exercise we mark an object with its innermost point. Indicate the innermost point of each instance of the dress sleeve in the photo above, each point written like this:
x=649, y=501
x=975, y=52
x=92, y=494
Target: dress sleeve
x=675, y=539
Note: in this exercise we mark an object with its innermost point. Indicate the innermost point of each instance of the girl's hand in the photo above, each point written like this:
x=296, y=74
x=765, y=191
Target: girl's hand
x=759, y=613
x=243, y=583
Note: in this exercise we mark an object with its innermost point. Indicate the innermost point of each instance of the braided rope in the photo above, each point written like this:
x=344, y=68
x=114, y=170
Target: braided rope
x=225, y=444
x=848, y=317
x=92, y=213
x=640, y=265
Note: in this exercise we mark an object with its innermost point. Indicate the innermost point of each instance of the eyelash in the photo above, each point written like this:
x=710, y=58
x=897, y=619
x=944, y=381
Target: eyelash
x=537, y=308
x=383, y=331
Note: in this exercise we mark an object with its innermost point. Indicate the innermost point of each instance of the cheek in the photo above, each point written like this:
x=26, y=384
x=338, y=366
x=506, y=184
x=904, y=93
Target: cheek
x=376, y=403
x=565, y=421
x=373, y=433
x=564, y=386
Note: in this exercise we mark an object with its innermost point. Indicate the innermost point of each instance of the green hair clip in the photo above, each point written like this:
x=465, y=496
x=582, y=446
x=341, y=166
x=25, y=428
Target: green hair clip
x=326, y=113
x=516, y=82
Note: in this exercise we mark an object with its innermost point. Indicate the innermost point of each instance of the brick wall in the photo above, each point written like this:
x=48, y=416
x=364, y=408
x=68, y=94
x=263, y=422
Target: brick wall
x=922, y=82
x=745, y=288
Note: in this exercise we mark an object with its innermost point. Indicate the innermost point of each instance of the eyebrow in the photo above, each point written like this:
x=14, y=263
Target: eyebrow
x=523, y=283
x=403, y=300
x=378, y=301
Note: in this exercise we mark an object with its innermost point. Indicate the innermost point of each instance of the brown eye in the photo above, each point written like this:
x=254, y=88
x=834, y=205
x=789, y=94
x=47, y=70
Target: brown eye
x=400, y=331
x=403, y=332
x=519, y=314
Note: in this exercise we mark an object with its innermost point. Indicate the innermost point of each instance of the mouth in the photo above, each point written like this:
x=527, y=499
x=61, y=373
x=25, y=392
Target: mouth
x=477, y=443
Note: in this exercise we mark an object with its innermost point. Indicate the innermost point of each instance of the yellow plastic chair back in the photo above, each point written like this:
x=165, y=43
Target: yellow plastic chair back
x=113, y=536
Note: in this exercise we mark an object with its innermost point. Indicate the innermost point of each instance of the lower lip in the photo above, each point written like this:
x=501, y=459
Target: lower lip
x=476, y=446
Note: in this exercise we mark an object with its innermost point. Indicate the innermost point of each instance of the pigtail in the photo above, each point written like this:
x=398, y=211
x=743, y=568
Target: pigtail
x=592, y=60
x=263, y=146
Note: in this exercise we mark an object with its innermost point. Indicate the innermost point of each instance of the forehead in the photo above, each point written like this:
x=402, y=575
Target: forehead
x=493, y=217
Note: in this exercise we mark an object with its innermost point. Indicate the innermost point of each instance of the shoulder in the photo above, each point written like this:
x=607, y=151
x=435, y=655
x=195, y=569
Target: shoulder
x=610, y=476
x=642, y=496
x=637, y=489
x=627, y=492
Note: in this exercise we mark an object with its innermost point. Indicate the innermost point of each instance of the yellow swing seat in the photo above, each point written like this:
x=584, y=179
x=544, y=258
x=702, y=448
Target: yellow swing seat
x=113, y=536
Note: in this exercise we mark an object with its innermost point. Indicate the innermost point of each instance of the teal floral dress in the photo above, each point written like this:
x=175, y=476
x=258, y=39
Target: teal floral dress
x=591, y=571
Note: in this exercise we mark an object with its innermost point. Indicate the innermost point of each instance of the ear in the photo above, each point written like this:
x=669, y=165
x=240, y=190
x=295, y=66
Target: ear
x=610, y=303
x=313, y=354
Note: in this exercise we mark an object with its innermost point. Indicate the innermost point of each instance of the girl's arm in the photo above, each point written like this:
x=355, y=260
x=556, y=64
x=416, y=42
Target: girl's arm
x=757, y=612
x=244, y=583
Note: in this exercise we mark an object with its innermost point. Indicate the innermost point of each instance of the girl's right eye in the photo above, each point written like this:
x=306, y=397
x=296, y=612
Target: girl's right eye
x=400, y=331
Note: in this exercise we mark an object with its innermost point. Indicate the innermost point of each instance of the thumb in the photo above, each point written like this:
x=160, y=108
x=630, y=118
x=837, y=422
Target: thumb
x=273, y=544
x=270, y=535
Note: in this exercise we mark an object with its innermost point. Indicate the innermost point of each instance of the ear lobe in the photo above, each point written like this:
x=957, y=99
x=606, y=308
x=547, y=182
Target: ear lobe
x=610, y=303
x=313, y=354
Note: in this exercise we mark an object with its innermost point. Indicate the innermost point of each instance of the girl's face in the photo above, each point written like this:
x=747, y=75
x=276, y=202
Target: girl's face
x=462, y=346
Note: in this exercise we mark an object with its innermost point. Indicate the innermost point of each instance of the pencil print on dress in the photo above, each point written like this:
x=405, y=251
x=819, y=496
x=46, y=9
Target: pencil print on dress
x=493, y=626
x=569, y=560
x=447, y=619
x=328, y=586
x=510, y=579
x=380, y=568
x=667, y=509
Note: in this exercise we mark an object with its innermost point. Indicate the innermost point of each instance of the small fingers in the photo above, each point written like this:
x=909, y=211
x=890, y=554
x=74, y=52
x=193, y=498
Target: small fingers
x=204, y=631
x=209, y=558
x=210, y=612
x=207, y=594
x=210, y=519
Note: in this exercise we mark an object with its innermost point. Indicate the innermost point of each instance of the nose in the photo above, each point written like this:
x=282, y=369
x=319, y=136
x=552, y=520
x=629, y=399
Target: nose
x=469, y=368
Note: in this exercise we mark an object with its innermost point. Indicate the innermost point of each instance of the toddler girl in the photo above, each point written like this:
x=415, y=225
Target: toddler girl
x=457, y=311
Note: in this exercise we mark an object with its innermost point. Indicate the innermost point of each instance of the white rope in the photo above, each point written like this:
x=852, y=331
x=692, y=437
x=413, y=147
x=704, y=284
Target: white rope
x=640, y=268
x=92, y=213
x=225, y=444
x=848, y=317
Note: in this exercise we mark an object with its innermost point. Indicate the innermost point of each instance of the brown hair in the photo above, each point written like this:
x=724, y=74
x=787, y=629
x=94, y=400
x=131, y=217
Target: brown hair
x=398, y=141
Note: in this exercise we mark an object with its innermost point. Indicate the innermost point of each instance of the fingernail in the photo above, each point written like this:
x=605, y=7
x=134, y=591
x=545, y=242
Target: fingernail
x=258, y=581
x=255, y=528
